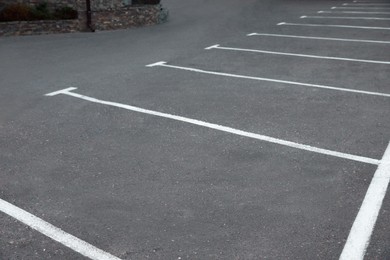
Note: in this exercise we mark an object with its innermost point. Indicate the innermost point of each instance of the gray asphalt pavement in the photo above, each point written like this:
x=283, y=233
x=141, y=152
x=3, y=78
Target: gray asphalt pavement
x=141, y=186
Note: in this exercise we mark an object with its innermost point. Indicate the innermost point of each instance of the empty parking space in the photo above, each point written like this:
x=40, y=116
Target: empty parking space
x=294, y=54
x=321, y=118
x=196, y=186
x=336, y=25
x=271, y=142
x=329, y=32
x=70, y=92
x=297, y=73
x=308, y=37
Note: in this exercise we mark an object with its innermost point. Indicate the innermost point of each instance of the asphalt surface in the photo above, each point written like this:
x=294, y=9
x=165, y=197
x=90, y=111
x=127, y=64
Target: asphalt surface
x=144, y=187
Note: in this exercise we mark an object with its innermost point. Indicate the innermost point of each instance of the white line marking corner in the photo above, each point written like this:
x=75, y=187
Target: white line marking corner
x=62, y=91
x=318, y=38
x=156, y=64
x=212, y=47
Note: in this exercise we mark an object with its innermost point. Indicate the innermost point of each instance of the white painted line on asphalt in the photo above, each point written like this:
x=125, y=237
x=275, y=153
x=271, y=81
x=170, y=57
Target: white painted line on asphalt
x=362, y=2
x=159, y=63
x=345, y=17
x=350, y=12
x=316, y=38
x=66, y=90
x=164, y=64
x=335, y=26
x=363, y=226
x=366, y=4
x=218, y=47
x=55, y=233
x=360, y=8
x=221, y=128
x=212, y=47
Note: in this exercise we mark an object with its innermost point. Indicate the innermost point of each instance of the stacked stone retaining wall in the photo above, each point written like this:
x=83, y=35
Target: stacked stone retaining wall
x=52, y=4
x=39, y=27
x=106, y=15
x=127, y=17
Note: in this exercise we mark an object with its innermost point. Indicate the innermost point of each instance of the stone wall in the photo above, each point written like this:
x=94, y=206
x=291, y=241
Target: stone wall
x=127, y=17
x=95, y=4
x=99, y=5
x=51, y=3
x=38, y=27
x=106, y=15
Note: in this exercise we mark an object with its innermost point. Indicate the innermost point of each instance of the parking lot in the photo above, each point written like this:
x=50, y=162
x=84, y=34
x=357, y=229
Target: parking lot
x=256, y=130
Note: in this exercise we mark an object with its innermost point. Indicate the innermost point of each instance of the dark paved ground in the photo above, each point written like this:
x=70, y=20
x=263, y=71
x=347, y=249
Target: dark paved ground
x=139, y=186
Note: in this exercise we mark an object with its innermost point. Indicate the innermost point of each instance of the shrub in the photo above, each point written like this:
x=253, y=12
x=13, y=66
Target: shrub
x=146, y=2
x=65, y=13
x=16, y=12
x=41, y=12
x=23, y=12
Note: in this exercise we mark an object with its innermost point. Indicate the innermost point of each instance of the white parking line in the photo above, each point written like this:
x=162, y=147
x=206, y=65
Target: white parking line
x=360, y=8
x=218, y=47
x=316, y=38
x=68, y=91
x=363, y=226
x=164, y=64
x=363, y=2
x=55, y=233
x=366, y=4
x=350, y=12
x=369, y=2
x=345, y=17
x=335, y=26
